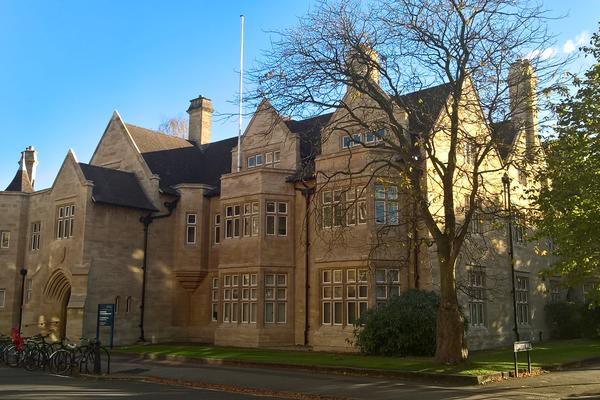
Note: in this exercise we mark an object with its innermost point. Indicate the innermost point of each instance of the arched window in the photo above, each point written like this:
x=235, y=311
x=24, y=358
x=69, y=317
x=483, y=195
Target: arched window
x=128, y=304
x=117, y=302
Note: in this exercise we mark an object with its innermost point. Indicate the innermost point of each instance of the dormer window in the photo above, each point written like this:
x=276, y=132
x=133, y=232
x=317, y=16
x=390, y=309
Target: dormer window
x=373, y=137
x=358, y=139
x=270, y=159
x=351, y=141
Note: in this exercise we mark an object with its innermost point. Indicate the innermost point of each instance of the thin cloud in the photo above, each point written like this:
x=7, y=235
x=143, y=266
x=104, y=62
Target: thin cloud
x=543, y=54
x=572, y=45
x=568, y=47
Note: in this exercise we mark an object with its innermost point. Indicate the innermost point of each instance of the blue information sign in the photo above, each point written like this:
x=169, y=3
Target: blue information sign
x=106, y=317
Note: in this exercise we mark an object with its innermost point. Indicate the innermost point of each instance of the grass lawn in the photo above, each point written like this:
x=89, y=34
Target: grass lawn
x=479, y=363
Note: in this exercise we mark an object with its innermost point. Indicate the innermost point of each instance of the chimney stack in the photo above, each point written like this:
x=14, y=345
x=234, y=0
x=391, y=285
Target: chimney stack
x=29, y=157
x=522, y=85
x=200, y=112
x=364, y=62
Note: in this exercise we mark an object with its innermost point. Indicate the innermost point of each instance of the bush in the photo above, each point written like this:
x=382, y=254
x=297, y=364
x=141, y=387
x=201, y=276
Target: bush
x=405, y=326
x=568, y=320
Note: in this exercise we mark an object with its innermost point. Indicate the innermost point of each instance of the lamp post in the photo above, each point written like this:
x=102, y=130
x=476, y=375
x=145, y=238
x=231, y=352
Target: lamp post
x=506, y=184
x=23, y=273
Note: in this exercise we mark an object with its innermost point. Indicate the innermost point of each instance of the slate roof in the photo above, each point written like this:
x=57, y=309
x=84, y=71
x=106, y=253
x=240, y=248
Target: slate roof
x=309, y=132
x=116, y=187
x=504, y=134
x=20, y=182
x=424, y=106
x=178, y=160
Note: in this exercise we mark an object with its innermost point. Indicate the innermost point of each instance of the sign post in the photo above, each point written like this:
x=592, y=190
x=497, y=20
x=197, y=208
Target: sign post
x=520, y=347
x=106, y=317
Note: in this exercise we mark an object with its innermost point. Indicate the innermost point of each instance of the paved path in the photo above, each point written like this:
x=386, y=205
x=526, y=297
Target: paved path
x=284, y=383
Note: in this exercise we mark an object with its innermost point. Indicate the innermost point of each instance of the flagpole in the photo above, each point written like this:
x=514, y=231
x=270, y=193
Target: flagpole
x=239, y=144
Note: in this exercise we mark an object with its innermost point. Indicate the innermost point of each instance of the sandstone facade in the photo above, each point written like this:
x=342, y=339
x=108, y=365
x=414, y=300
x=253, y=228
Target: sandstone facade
x=266, y=254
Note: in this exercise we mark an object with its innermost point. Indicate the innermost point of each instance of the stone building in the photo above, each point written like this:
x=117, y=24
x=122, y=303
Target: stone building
x=278, y=251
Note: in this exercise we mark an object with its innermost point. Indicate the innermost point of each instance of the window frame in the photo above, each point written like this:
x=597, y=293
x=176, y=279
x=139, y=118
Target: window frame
x=217, y=229
x=386, y=201
x=274, y=300
x=477, y=299
x=522, y=286
x=65, y=220
x=4, y=239
x=36, y=236
x=277, y=216
x=191, y=227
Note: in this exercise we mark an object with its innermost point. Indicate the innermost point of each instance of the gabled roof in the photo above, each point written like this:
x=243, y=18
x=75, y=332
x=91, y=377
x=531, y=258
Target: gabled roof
x=116, y=188
x=309, y=132
x=504, y=134
x=424, y=107
x=176, y=160
x=20, y=182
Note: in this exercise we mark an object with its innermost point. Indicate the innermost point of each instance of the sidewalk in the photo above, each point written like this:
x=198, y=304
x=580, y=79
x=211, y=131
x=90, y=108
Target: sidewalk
x=294, y=384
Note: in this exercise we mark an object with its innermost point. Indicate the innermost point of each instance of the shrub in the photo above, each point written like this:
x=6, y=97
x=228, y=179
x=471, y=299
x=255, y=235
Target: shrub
x=568, y=320
x=404, y=326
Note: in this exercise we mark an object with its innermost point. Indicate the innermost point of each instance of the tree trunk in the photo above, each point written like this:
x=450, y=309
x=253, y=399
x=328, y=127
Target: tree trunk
x=450, y=343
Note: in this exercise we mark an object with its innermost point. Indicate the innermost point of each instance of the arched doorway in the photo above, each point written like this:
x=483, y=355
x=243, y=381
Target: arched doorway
x=56, y=295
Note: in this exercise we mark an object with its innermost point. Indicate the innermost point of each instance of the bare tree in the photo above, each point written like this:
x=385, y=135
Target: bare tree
x=366, y=59
x=176, y=126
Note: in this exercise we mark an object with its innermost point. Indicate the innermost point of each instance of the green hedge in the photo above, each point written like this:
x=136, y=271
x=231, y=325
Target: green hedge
x=568, y=320
x=404, y=326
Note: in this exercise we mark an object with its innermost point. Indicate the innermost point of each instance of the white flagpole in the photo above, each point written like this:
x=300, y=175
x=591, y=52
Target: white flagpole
x=239, y=145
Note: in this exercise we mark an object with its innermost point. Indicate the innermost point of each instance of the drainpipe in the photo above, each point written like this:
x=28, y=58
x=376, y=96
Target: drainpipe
x=306, y=192
x=506, y=183
x=416, y=244
x=23, y=273
x=147, y=220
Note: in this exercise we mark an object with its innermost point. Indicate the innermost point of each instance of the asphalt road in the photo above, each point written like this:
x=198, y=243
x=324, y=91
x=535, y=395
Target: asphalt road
x=139, y=379
x=17, y=384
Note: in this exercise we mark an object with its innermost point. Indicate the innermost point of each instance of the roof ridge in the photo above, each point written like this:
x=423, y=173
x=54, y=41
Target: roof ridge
x=155, y=131
x=105, y=168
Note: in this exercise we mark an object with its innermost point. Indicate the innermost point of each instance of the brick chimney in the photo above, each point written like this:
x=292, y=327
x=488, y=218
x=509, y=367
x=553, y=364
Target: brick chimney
x=522, y=84
x=200, y=112
x=29, y=156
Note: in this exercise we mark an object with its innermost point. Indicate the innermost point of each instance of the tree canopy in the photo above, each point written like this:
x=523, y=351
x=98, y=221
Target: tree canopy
x=367, y=58
x=570, y=201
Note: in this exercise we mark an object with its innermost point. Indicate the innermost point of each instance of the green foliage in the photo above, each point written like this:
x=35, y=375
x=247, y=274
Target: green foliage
x=404, y=326
x=570, y=199
x=573, y=320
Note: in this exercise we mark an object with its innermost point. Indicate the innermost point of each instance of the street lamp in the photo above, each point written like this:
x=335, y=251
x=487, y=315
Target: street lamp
x=23, y=273
x=508, y=204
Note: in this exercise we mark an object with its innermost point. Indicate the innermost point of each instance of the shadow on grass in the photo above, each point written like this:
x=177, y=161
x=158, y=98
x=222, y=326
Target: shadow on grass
x=547, y=354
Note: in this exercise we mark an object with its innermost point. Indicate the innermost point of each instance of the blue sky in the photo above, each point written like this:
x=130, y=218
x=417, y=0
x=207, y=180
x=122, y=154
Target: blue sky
x=66, y=65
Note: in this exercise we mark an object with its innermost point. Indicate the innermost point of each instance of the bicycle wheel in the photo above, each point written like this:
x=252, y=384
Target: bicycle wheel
x=28, y=358
x=61, y=362
x=88, y=361
x=12, y=357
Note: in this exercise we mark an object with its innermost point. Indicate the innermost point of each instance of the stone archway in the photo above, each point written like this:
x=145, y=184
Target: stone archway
x=57, y=293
